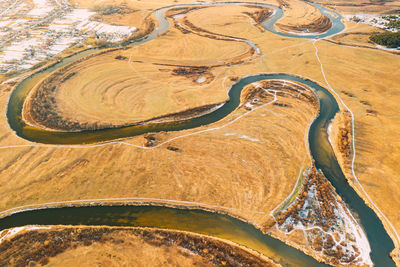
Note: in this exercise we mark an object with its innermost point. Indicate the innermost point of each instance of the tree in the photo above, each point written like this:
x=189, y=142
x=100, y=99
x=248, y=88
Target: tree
x=389, y=39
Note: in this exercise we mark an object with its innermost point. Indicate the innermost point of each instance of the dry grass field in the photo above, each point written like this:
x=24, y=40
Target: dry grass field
x=357, y=35
x=106, y=246
x=201, y=170
x=300, y=16
x=106, y=90
x=297, y=13
x=247, y=165
x=117, y=80
x=358, y=6
x=373, y=96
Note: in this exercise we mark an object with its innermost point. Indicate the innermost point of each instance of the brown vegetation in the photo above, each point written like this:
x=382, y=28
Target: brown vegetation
x=257, y=95
x=341, y=137
x=43, y=246
x=325, y=226
x=362, y=6
x=321, y=24
x=302, y=17
x=195, y=73
x=326, y=216
x=344, y=137
x=212, y=160
x=260, y=15
x=149, y=26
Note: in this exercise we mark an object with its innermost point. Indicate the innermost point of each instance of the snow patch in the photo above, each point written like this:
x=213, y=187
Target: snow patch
x=248, y=105
x=242, y=136
x=375, y=20
x=248, y=138
x=8, y=233
x=28, y=38
x=42, y=8
x=201, y=79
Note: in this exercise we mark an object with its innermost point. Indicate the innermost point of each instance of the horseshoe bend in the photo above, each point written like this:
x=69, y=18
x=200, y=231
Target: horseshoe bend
x=185, y=133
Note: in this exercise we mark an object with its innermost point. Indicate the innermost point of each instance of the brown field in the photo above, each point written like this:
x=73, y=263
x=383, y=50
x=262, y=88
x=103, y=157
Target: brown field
x=322, y=229
x=111, y=96
x=164, y=75
x=300, y=16
x=90, y=172
x=372, y=95
x=361, y=6
x=223, y=167
x=133, y=17
x=107, y=246
x=357, y=35
x=118, y=79
x=297, y=13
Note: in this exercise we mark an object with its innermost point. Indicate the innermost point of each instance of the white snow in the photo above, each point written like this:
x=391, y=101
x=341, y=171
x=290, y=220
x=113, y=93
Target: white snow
x=114, y=33
x=361, y=239
x=179, y=16
x=17, y=50
x=73, y=26
x=41, y=9
x=201, y=79
x=375, y=20
x=248, y=105
x=242, y=136
x=4, y=23
x=248, y=138
x=8, y=233
x=329, y=131
x=345, y=226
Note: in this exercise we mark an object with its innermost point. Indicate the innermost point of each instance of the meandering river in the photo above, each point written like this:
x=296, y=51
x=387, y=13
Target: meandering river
x=196, y=220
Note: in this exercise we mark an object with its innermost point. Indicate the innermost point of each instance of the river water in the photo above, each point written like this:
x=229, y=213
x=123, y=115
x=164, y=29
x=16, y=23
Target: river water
x=196, y=220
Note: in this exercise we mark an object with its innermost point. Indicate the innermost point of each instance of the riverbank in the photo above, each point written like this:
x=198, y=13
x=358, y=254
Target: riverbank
x=194, y=149
x=300, y=60
x=329, y=229
x=302, y=18
x=90, y=243
x=287, y=90
x=145, y=75
x=197, y=221
x=364, y=110
x=341, y=140
x=357, y=35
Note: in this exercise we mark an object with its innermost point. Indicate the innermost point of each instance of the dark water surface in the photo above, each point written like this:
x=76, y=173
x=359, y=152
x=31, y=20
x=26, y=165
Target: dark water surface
x=196, y=220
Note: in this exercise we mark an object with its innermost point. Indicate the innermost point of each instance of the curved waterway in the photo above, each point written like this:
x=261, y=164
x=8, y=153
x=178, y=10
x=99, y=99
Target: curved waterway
x=337, y=25
x=35, y=134
x=195, y=220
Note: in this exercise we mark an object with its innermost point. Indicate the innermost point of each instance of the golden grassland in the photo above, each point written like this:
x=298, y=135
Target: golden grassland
x=149, y=173
x=372, y=95
x=357, y=35
x=296, y=12
x=300, y=16
x=131, y=85
x=133, y=18
x=220, y=167
x=126, y=91
x=200, y=171
x=361, y=6
x=127, y=246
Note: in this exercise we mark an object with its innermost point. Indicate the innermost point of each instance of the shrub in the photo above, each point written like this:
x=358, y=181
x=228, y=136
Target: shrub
x=389, y=39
